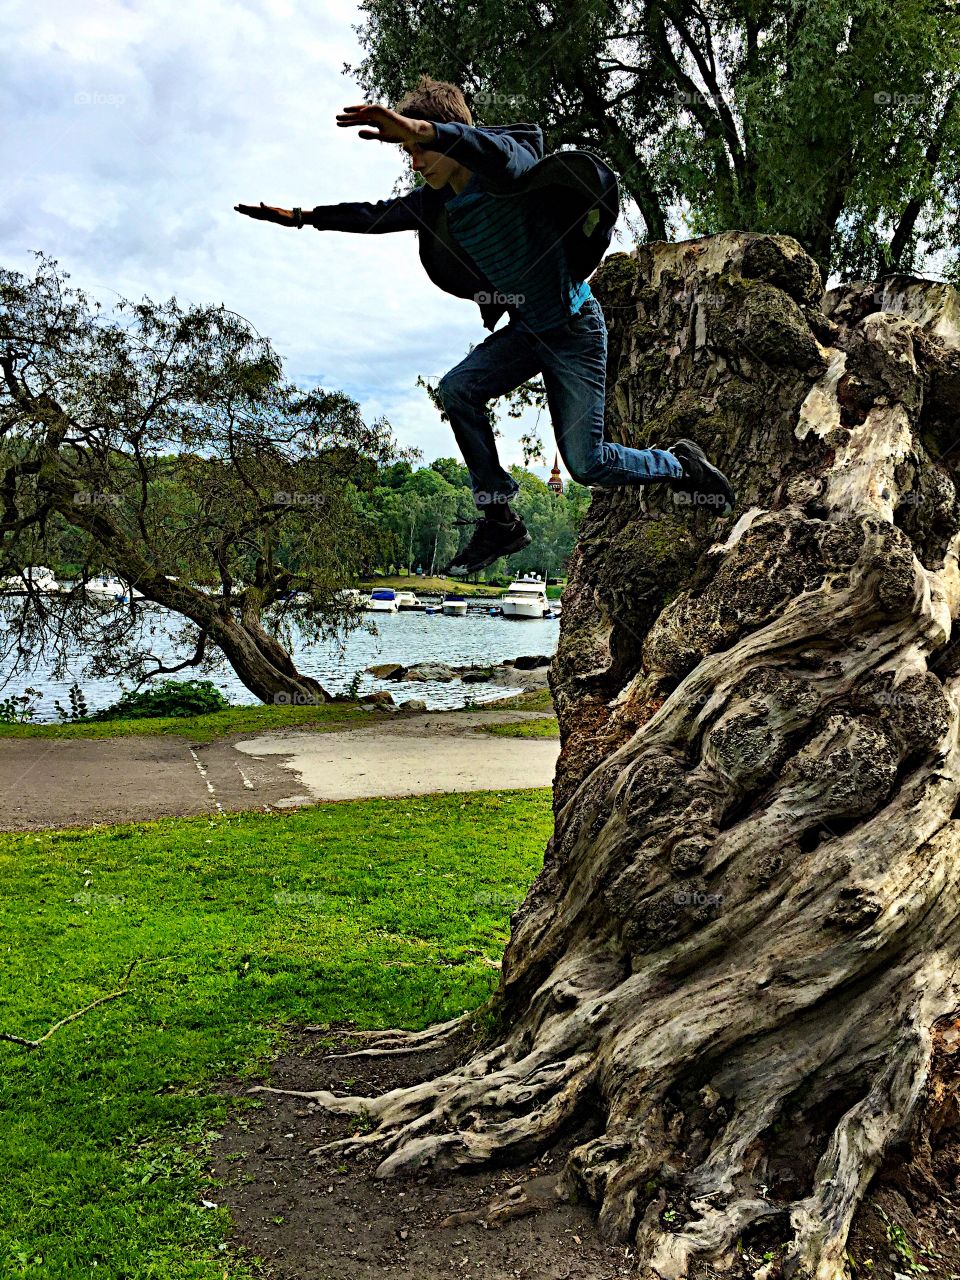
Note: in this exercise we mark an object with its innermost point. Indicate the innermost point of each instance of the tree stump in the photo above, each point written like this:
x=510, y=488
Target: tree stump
x=741, y=953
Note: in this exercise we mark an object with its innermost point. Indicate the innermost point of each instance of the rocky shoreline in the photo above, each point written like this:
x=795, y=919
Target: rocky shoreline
x=525, y=674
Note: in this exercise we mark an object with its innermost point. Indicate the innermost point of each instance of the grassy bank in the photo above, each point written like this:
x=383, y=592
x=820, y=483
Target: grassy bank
x=377, y=911
x=250, y=719
x=535, y=700
x=434, y=584
x=438, y=584
x=200, y=728
x=545, y=728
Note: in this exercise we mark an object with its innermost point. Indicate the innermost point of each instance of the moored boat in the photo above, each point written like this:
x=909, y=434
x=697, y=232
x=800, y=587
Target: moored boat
x=110, y=588
x=37, y=576
x=382, y=600
x=526, y=598
x=454, y=606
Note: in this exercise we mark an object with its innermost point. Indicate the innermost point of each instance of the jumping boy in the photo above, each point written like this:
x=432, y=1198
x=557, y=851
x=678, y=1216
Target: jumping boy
x=519, y=232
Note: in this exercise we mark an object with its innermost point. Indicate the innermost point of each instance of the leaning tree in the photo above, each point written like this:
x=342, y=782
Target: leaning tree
x=739, y=962
x=165, y=446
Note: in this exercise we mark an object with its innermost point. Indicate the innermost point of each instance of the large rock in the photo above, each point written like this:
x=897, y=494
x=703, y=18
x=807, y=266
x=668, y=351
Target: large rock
x=525, y=680
x=387, y=670
x=430, y=671
x=413, y=704
x=477, y=675
x=527, y=662
x=379, y=699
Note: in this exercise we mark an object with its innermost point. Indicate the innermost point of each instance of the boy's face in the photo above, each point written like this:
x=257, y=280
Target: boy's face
x=436, y=168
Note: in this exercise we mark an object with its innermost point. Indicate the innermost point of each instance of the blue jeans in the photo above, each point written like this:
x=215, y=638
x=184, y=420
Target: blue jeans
x=573, y=361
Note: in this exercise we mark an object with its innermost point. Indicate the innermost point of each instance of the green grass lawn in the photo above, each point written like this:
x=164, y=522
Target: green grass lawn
x=544, y=728
x=434, y=584
x=535, y=700
x=252, y=719
x=376, y=910
x=201, y=728
x=431, y=585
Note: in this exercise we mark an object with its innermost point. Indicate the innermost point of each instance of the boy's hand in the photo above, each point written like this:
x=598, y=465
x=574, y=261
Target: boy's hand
x=267, y=213
x=387, y=125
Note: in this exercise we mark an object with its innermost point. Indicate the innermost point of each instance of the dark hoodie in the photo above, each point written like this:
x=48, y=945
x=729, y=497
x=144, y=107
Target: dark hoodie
x=509, y=162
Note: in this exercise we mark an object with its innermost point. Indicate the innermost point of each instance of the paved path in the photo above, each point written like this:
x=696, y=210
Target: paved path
x=71, y=782
x=406, y=757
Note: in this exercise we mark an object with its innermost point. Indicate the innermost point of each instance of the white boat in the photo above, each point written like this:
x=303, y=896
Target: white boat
x=382, y=600
x=527, y=598
x=111, y=589
x=454, y=606
x=408, y=600
x=39, y=577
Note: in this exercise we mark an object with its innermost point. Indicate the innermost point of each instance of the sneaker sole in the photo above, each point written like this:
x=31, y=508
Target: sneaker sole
x=512, y=549
x=722, y=486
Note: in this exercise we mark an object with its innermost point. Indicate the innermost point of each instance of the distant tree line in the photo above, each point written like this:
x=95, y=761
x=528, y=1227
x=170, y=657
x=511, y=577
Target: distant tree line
x=418, y=518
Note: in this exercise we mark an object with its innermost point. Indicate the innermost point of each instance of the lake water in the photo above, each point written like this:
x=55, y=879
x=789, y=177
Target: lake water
x=407, y=637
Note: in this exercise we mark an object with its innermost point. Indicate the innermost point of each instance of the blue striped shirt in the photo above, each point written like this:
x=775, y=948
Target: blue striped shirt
x=519, y=251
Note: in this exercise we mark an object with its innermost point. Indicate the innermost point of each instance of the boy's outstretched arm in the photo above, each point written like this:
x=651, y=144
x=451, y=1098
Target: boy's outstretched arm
x=491, y=155
x=402, y=213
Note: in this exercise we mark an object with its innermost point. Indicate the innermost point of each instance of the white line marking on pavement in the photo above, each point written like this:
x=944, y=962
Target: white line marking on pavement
x=203, y=774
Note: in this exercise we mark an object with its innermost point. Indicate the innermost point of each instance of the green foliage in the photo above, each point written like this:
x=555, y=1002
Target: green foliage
x=168, y=698
x=78, y=706
x=19, y=708
x=453, y=471
x=353, y=688
x=900, y=1243
x=416, y=515
x=383, y=912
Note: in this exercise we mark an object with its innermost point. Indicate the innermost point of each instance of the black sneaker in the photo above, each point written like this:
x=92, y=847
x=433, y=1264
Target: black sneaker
x=491, y=539
x=702, y=484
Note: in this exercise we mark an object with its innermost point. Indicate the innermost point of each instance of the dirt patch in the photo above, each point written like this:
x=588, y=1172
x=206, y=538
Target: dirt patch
x=327, y=1218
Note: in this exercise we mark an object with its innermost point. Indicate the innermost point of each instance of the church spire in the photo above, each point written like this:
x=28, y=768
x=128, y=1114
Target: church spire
x=555, y=483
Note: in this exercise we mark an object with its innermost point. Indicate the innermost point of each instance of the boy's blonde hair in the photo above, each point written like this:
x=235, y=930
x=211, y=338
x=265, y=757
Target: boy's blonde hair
x=435, y=100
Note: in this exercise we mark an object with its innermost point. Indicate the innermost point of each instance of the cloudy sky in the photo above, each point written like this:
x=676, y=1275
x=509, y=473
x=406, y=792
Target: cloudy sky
x=133, y=128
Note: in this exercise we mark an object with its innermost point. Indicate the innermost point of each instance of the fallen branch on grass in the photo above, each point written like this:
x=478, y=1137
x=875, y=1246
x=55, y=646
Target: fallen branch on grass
x=35, y=1044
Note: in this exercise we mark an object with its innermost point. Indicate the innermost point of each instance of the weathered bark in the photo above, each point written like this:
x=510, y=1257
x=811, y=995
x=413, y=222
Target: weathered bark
x=743, y=946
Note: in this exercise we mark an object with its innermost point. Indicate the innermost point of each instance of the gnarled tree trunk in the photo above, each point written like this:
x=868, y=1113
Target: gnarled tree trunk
x=743, y=946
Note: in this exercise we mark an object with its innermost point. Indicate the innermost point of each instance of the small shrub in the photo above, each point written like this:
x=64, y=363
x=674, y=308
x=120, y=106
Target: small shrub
x=18, y=709
x=353, y=688
x=78, y=706
x=169, y=698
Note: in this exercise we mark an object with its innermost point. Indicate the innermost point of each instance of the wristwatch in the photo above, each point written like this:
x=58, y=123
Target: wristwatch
x=298, y=214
